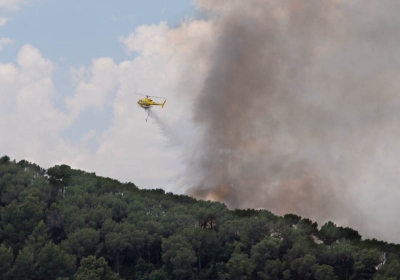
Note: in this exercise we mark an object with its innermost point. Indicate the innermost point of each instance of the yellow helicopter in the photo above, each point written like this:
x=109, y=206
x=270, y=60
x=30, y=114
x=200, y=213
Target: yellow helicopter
x=146, y=103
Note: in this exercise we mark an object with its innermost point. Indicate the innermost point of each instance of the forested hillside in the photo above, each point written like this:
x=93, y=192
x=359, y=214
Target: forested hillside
x=63, y=223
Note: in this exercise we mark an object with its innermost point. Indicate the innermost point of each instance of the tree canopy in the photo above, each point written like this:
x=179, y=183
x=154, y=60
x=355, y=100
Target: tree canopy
x=62, y=223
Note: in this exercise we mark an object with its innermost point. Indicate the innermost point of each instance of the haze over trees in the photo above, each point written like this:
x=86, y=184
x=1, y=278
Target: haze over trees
x=62, y=223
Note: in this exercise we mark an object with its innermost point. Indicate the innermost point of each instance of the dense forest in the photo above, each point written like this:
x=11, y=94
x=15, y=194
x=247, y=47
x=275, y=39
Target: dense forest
x=62, y=223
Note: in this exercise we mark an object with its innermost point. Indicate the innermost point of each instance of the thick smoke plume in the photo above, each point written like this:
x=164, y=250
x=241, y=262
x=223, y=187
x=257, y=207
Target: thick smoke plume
x=299, y=112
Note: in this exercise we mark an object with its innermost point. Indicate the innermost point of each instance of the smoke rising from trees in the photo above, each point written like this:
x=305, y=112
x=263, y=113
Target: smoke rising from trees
x=299, y=111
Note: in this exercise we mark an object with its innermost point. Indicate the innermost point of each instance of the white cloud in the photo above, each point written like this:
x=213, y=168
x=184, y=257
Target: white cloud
x=87, y=137
x=135, y=150
x=31, y=125
x=12, y=4
x=95, y=91
x=78, y=75
x=4, y=41
x=147, y=40
x=29, y=121
x=130, y=149
x=3, y=21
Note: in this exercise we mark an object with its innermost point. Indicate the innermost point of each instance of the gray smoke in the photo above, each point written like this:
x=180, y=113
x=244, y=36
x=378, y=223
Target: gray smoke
x=300, y=112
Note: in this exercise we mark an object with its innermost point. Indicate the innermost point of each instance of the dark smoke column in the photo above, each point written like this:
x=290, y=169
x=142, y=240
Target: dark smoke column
x=248, y=107
x=299, y=112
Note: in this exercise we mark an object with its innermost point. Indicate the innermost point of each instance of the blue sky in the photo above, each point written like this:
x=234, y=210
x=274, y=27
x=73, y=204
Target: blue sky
x=63, y=44
x=75, y=32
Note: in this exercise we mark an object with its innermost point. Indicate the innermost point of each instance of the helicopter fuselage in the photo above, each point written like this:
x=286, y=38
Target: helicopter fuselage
x=147, y=103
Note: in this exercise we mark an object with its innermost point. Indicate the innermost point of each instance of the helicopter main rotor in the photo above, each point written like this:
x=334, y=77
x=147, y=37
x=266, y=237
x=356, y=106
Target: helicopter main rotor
x=150, y=95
